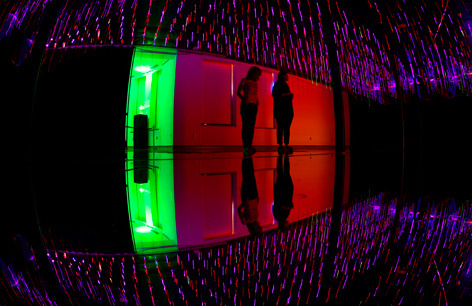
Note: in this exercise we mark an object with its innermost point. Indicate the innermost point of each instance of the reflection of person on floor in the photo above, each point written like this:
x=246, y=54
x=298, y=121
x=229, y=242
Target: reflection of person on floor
x=283, y=193
x=248, y=92
x=283, y=110
x=248, y=211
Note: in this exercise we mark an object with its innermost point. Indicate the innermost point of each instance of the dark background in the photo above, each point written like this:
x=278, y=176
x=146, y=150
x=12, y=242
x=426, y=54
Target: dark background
x=64, y=145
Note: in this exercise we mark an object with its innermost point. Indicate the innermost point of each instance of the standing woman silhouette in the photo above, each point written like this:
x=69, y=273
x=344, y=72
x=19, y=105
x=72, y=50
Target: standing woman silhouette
x=248, y=92
x=283, y=110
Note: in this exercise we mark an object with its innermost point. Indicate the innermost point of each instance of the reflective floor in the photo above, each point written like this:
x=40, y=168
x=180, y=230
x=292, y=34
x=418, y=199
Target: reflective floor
x=207, y=226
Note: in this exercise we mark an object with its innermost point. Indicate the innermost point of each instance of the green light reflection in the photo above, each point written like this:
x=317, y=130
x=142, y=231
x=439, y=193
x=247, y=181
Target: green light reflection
x=151, y=205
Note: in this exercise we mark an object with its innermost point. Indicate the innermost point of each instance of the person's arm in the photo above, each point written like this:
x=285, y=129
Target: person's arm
x=240, y=91
x=275, y=91
x=241, y=209
x=287, y=92
x=276, y=95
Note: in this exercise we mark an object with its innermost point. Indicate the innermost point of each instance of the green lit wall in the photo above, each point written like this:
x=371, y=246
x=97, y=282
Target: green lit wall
x=151, y=204
x=151, y=92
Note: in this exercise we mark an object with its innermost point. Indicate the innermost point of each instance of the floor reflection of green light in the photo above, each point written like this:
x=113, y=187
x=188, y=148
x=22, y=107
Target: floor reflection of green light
x=151, y=204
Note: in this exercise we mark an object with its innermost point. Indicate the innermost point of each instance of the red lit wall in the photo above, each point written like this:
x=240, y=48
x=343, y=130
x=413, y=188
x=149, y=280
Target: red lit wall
x=206, y=108
x=208, y=193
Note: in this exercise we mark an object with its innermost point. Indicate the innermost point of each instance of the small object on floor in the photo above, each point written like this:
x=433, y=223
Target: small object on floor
x=248, y=151
x=281, y=150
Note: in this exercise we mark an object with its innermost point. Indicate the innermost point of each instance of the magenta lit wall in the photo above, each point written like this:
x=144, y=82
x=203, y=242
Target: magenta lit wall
x=206, y=108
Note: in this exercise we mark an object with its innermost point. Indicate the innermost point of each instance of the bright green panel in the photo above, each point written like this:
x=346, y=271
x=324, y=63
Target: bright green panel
x=151, y=92
x=151, y=206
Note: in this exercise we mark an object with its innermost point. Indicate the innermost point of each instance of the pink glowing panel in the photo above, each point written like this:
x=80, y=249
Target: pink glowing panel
x=217, y=192
x=217, y=100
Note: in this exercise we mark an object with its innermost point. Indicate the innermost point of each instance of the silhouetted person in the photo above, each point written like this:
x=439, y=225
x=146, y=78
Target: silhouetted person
x=283, y=110
x=283, y=193
x=248, y=92
x=248, y=211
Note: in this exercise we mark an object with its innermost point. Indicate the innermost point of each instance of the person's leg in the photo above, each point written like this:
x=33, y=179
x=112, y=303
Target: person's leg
x=287, y=135
x=280, y=169
x=250, y=178
x=245, y=126
x=280, y=131
x=288, y=123
x=248, y=184
x=244, y=134
x=286, y=166
x=252, y=114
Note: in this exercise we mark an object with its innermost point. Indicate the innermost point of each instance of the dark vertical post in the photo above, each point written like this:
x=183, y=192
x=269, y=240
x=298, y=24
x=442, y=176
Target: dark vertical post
x=327, y=23
x=334, y=231
x=401, y=99
x=141, y=132
x=141, y=166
